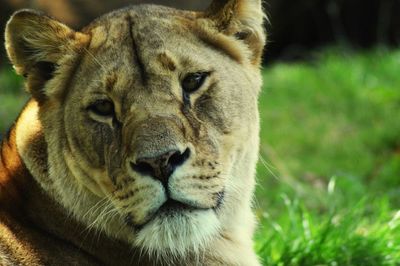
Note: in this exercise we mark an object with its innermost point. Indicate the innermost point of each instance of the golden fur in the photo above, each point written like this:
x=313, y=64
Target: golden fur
x=81, y=187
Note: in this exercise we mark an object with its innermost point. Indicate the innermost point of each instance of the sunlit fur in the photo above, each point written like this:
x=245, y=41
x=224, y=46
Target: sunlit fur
x=136, y=58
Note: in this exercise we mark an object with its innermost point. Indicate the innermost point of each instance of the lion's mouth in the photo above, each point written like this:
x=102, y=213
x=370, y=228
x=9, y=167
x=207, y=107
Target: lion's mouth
x=172, y=206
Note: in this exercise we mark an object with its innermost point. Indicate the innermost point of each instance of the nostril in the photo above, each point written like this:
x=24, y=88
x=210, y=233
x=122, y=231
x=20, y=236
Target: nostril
x=143, y=168
x=178, y=158
x=161, y=166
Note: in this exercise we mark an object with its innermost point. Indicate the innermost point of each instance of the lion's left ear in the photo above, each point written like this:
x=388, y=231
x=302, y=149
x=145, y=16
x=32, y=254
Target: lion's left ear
x=35, y=44
x=242, y=19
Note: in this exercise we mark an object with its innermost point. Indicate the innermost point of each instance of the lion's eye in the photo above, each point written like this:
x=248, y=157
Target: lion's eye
x=102, y=108
x=193, y=81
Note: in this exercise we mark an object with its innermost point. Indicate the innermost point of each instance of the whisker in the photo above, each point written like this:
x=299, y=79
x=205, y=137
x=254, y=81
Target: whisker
x=268, y=167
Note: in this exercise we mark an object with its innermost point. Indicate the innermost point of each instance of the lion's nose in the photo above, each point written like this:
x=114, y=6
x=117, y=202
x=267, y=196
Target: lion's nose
x=162, y=166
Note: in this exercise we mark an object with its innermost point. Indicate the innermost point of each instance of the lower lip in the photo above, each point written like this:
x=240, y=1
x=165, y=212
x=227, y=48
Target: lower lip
x=169, y=208
x=174, y=206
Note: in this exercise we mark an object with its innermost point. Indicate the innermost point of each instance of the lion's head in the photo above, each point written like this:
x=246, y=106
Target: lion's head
x=150, y=119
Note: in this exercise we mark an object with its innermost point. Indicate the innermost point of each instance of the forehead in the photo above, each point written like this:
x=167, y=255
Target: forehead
x=142, y=32
x=144, y=40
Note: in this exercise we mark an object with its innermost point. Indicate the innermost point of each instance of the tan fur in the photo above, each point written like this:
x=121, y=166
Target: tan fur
x=69, y=189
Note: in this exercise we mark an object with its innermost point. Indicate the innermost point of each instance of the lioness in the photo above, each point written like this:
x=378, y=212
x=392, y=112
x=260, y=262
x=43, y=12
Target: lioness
x=139, y=144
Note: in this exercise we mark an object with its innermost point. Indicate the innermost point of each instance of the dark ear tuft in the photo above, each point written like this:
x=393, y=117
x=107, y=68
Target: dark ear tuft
x=242, y=35
x=45, y=69
x=38, y=75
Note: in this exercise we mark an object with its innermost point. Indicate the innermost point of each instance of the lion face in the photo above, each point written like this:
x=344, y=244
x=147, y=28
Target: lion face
x=152, y=111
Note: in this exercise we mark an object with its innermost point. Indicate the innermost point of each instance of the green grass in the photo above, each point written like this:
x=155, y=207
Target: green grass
x=364, y=233
x=335, y=120
x=329, y=171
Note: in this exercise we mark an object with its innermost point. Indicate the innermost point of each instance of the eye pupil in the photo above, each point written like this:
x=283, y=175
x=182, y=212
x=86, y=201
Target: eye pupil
x=193, y=81
x=103, y=108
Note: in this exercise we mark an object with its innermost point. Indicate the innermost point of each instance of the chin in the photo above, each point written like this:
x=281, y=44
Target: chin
x=177, y=234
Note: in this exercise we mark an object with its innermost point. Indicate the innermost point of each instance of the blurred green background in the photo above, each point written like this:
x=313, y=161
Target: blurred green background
x=329, y=171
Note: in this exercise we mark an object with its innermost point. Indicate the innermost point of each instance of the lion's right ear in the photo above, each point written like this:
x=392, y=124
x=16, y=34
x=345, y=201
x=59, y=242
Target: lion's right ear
x=241, y=19
x=36, y=43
